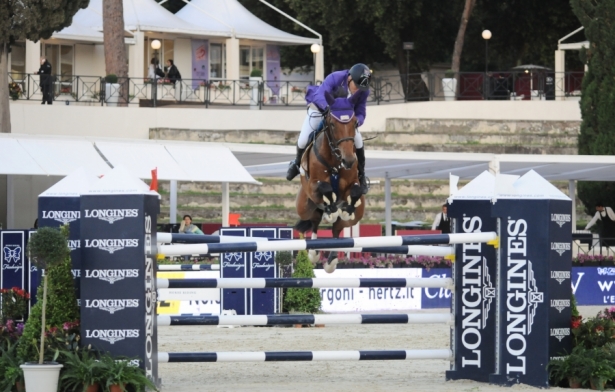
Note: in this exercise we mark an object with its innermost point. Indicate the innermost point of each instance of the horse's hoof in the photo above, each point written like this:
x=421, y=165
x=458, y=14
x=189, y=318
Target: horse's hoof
x=313, y=256
x=330, y=267
x=334, y=216
x=345, y=216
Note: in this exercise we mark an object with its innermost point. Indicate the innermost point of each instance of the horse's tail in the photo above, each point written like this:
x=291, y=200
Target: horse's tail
x=303, y=225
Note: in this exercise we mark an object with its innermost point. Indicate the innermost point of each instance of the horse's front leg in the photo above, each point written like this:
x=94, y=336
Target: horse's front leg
x=331, y=263
x=353, y=200
x=322, y=194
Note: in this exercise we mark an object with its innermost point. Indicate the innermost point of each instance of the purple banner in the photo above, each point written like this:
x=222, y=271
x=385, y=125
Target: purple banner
x=273, y=69
x=200, y=60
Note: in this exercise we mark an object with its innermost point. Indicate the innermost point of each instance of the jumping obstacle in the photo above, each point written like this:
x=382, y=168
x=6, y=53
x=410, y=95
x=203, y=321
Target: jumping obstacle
x=261, y=283
x=188, y=267
x=287, y=356
x=328, y=243
x=290, y=319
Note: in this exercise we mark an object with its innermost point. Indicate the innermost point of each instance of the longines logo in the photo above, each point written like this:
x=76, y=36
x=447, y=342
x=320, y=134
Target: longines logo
x=62, y=216
x=112, y=215
x=560, y=247
x=560, y=304
x=74, y=244
x=560, y=333
x=560, y=219
x=560, y=276
x=111, y=275
x=111, y=305
x=112, y=245
x=111, y=335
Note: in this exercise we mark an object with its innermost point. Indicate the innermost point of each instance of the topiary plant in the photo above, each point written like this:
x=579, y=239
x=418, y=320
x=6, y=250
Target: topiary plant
x=256, y=73
x=303, y=300
x=111, y=78
x=49, y=251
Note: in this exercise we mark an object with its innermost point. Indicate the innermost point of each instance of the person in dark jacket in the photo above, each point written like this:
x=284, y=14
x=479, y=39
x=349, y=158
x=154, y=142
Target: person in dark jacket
x=442, y=221
x=46, y=81
x=172, y=72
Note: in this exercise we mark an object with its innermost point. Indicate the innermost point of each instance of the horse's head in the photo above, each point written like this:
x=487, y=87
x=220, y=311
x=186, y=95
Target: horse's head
x=341, y=127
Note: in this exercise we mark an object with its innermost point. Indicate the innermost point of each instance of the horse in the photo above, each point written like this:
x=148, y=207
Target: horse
x=330, y=187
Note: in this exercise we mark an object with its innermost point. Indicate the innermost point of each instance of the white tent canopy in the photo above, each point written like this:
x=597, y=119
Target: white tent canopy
x=230, y=18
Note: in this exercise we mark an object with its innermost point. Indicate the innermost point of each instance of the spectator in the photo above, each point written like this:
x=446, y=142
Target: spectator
x=442, y=221
x=607, y=217
x=154, y=72
x=172, y=72
x=187, y=227
x=46, y=81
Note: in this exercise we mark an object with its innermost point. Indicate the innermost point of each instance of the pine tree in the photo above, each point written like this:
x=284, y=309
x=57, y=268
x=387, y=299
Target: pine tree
x=597, y=135
x=32, y=20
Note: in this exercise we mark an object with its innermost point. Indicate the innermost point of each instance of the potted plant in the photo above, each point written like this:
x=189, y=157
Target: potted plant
x=14, y=304
x=47, y=248
x=302, y=301
x=112, y=90
x=84, y=372
x=597, y=368
x=9, y=367
x=449, y=85
x=570, y=368
x=256, y=78
x=119, y=373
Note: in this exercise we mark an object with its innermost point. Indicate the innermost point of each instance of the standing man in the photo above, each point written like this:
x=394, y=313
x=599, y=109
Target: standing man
x=46, y=81
x=607, y=217
x=442, y=221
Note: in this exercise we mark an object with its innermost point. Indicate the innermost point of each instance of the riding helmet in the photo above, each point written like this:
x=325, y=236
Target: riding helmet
x=361, y=76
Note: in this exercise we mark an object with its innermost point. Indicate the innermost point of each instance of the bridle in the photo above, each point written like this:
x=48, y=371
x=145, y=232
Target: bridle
x=333, y=144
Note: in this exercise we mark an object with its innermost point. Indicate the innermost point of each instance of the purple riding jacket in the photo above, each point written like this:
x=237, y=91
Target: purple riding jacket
x=316, y=94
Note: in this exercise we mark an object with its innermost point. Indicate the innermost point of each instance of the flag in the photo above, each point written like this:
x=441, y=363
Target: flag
x=153, y=186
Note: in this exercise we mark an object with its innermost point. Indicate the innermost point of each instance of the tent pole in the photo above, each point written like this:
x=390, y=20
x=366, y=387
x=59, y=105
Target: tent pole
x=387, y=204
x=10, y=202
x=225, y=204
x=173, y=202
x=572, y=193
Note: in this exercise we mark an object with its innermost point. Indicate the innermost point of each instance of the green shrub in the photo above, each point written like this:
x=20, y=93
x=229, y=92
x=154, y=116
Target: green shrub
x=256, y=73
x=303, y=300
x=111, y=78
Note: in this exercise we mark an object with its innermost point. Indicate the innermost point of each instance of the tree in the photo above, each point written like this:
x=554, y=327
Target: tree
x=465, y=18
x=597, y=136
x=32, y=20
x=115, y=48
x=302, y=300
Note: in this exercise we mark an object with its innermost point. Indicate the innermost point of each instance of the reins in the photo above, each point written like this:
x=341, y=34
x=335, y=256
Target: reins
x=333, y=146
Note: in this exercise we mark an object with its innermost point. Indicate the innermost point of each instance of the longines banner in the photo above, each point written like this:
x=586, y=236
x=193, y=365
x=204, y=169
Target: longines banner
x=118, y=241
x=57, y=211
x=534, y=292
x=474, y=302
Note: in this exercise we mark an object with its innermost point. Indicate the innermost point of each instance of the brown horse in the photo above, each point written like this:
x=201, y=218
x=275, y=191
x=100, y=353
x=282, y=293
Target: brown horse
x=332, y=153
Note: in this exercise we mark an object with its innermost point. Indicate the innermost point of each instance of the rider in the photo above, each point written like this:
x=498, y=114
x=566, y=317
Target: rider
x=352, y=81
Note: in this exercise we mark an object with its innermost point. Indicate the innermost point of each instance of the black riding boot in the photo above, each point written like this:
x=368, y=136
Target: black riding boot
x=293, y=167
x=361, y=167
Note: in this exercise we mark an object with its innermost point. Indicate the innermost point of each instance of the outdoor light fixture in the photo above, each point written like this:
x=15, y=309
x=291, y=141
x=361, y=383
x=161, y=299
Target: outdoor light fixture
x=156, y=44
x=315, y=48
x=486, y=34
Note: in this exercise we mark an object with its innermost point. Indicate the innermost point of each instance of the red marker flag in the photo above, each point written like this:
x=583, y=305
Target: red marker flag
x=154, y=184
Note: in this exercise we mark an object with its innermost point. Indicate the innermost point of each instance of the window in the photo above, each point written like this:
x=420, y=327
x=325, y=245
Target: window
x=18, y=61
x=250, y=58
x=217, y=61
x=166, y=52
x=61, y=58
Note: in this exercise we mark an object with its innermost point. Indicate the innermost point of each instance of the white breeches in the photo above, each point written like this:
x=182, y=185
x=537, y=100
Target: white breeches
x=311, y=123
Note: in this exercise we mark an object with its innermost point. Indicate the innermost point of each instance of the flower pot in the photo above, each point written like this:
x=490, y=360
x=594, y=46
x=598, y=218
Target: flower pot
x=112, y=93
x=597, y=383
x=254, y=85
x=574, y=383
x=41, y=378
x=116, y=388
x=92, y=388
x=449, y=87
x=19, y=387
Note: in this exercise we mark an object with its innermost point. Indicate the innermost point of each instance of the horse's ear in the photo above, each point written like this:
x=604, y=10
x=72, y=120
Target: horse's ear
x=329, y=98
x=354, y=98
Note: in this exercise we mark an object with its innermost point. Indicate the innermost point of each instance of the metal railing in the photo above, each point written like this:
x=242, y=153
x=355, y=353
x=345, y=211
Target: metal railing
x=427, y=86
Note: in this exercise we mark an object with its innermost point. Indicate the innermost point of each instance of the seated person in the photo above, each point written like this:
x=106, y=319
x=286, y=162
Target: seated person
x=187, y=227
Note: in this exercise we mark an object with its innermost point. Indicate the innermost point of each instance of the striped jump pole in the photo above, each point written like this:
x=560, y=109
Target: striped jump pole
x=177, y=238
x=261, y=283
x=188, y=267
x=290, y=319
x=271, y=356
x=327, y=243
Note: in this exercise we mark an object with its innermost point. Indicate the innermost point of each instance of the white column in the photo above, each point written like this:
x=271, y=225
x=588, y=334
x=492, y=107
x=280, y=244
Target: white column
x=387, y=204
x=572, y=193
x=225, y=204
x=33, y=63
x=356, y=230
x=560, y=80
x=494, y=167
x=173, y=202
x=10, y=203
x=232, y=58
x=136, y=57
x=319, y=66
x=182, y=56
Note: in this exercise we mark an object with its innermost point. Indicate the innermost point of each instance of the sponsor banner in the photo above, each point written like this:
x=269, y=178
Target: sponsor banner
x=235, y=265
x=118, y=245
x=262, y=265
x=531, y=298
x=189, y=301
x=436, y=298
x=474, y=303
x=15, y=269
x=200, y=60
x=594, y=285
x=335, y=300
